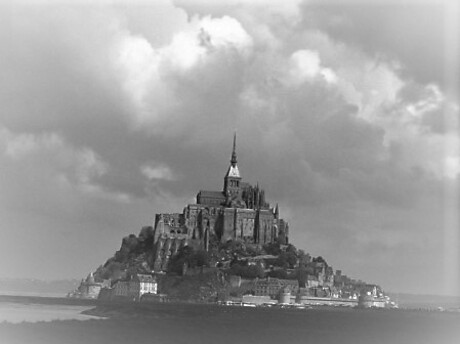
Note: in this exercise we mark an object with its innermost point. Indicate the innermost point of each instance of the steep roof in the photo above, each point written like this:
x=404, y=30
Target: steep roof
x=145, y=278
x=212, y=194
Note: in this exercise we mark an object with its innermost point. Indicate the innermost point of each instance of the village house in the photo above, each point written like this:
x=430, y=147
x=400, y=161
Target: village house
x=135, y=287
x=273, y=286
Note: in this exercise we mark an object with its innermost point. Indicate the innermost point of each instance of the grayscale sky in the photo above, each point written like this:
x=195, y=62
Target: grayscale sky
x=347, y=113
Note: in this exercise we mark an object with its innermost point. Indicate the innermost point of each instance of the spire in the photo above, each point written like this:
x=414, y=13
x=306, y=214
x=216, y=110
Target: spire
x=277, y=212
x=233, y=169
x=233, y=160
x=232, y=178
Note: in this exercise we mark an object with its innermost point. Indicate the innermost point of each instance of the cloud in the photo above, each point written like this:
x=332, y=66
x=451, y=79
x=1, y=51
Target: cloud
x=415, y=34
x=111, y=113
x=305, y=65
x=149, y=75
x=160, y=171
x=55, y=163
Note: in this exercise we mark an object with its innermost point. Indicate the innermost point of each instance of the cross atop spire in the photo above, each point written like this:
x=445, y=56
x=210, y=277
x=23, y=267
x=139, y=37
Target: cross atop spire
x=233, y=159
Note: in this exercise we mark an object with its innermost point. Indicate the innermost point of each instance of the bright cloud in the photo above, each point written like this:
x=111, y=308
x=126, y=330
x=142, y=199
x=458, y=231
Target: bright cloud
x=156, y=172
x=306, y=65
x=136, y=105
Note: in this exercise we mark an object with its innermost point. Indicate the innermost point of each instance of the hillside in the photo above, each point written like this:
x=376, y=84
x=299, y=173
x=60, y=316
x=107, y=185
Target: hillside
x=199, y=275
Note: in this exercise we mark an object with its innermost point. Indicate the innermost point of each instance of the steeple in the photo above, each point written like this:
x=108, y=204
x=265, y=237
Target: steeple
x=232, y=178
x=233, y=169
x=233, y=159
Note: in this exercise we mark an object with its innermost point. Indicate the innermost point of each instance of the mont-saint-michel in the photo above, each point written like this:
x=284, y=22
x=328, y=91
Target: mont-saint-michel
x=123, y=185
x=232, y=247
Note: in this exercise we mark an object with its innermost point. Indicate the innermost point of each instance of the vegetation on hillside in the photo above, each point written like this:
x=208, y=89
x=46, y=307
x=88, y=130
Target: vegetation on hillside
x=136, y=256
x=198, y=274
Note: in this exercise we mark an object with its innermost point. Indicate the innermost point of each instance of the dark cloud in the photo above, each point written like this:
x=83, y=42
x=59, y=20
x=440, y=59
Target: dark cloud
x=108, y=119
x=412, y=32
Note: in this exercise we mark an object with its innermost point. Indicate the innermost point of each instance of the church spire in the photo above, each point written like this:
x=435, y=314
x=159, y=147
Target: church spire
x=233, y=168
x=232, y=178
x=233, y=159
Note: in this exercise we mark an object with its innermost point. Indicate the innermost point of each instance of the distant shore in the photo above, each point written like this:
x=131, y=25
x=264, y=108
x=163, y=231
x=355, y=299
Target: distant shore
x=47, y=300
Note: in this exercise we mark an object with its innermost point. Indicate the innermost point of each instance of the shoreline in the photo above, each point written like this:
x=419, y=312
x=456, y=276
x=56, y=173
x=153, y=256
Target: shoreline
x=99, y=307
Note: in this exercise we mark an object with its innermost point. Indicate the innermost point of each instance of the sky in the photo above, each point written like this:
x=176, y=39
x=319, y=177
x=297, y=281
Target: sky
x=346, y=112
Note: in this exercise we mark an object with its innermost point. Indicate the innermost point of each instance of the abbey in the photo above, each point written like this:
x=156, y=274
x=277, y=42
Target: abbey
x=238, y=212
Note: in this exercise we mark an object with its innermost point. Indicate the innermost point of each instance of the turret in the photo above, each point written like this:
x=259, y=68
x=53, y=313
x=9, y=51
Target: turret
x=90, y=278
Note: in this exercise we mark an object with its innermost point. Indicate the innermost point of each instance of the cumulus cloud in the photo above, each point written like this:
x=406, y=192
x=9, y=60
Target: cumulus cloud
x=306, y=65
x=78, y=168
x=134, y=107
x=160, y=171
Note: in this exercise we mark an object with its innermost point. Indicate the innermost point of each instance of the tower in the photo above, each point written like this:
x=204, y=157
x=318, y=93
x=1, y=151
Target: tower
x=232, y=178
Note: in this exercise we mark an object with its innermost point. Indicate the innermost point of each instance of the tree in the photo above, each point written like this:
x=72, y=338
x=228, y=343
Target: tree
x=247, y=271
x=302, y=277
x=273, y=248
x=199, y=258
x=304, y=258
x=252, y=271
x=286, y=260
x=319, y=259
x=291, y=258
x=146, y=238
x=291, y=249
x=183, y=256
x=278, y=273
x=281, y=261
x=187, y=255
x=130, y=242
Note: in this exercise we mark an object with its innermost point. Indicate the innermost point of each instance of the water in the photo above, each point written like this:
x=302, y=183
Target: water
x=189, y=324
x=17, y=313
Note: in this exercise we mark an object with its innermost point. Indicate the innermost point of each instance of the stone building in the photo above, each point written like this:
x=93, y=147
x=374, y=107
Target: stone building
x=238, y=212
x=89, y=288
x=268, y=287
x=135, y=287
x=274, y=286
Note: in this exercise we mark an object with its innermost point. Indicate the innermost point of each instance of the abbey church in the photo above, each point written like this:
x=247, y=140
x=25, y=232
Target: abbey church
x=238, y=212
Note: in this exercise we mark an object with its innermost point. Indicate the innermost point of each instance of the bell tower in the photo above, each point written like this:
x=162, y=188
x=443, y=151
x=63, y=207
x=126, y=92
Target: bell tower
x=232, y=178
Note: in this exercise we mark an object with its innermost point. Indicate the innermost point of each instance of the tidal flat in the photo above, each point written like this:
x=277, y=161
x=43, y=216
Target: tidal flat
x=199, y=323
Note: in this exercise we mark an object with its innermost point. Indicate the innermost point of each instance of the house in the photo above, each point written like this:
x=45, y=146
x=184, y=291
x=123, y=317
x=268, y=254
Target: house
x=292, y=285
x=268, y=287
x=273, y=286
x=135, y=287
